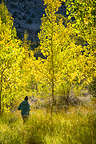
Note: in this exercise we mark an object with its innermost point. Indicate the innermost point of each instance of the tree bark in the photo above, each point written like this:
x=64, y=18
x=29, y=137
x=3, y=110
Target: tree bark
x=52, y=80
x=0, y=101
x=1, y=92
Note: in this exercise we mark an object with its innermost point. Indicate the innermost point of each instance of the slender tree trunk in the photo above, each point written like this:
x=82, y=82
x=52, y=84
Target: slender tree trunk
x=53, y=100
x=0, y=101
x=1, y=91
x=52, y=80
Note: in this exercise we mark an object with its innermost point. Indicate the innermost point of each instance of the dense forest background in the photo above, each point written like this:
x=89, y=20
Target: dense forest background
x=52, y=75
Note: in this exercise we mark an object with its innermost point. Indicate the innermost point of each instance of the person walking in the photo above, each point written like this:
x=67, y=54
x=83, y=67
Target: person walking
x=25, y=109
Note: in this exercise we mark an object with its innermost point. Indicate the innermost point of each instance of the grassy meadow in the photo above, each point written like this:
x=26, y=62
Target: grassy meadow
x=76, y=126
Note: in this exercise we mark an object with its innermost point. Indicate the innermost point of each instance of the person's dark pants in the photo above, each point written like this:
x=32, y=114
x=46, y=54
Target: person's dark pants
x=25, y=118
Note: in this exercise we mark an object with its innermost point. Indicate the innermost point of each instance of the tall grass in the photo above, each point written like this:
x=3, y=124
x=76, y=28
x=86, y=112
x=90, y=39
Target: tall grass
x=73, y=127
x=10, y=129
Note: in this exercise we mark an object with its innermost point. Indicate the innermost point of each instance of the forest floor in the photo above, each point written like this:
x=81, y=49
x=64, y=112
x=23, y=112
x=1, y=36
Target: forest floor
x=76, y=126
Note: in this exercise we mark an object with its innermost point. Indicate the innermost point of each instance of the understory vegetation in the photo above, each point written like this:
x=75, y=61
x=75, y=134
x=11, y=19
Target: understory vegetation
x=77, y=126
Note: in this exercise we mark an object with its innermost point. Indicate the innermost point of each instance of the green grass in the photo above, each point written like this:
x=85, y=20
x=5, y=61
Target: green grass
x=78, y=126
x=10, y=129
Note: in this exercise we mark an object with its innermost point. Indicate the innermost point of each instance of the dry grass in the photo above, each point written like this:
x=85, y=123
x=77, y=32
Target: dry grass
x=77, y=126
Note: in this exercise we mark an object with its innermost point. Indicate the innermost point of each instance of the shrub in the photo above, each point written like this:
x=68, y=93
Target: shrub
x=92, y=87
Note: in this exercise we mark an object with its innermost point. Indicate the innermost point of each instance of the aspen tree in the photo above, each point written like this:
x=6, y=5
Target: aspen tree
x=11, y=55
x=65, y=61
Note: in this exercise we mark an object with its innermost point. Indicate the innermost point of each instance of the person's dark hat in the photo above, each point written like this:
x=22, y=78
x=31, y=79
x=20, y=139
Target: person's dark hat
x=26, y=98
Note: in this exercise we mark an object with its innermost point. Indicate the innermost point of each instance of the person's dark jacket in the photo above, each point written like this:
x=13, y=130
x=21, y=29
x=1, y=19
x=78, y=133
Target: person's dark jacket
x=24, y=107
